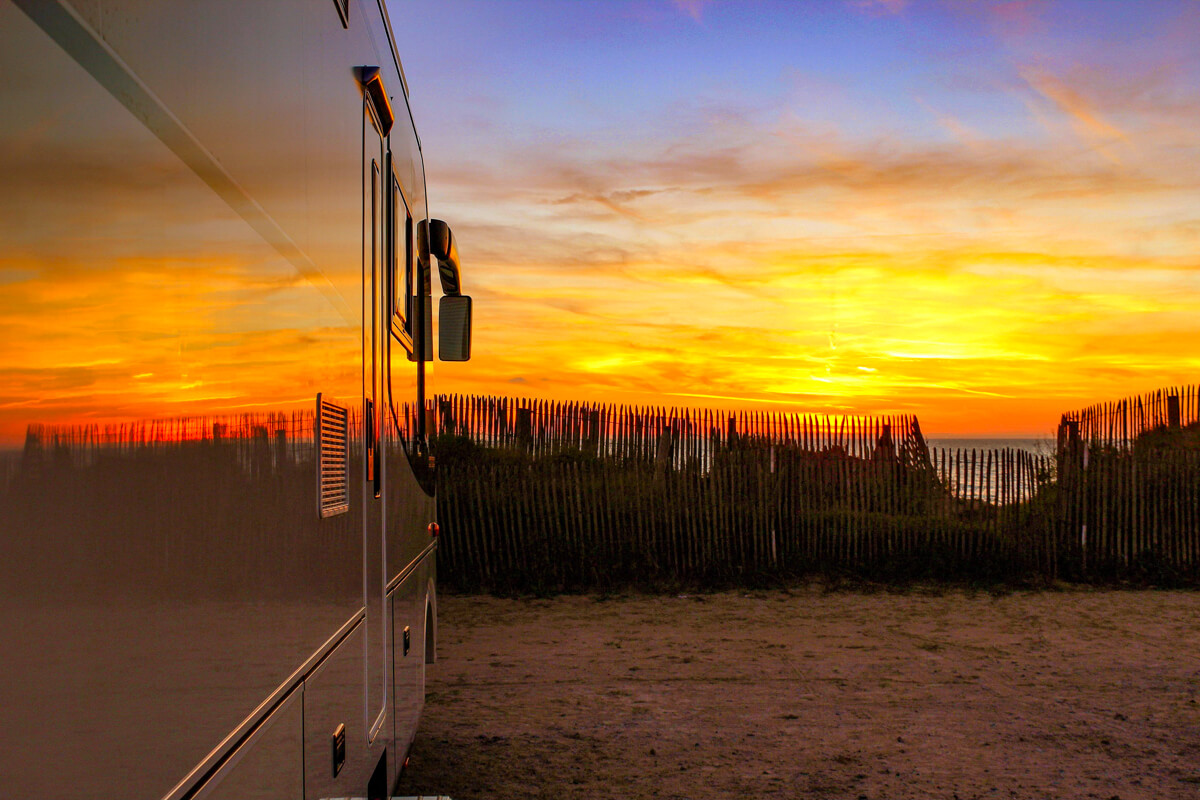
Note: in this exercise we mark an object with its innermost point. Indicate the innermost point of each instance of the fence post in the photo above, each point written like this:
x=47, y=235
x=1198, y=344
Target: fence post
x=665, y=448
x=596, y=420
x=1173, y=417
x=525, y=429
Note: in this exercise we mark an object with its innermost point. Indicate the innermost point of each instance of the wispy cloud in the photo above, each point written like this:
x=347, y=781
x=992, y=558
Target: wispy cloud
x=880, y=6
x=1018, y=17
x=1085, y=119
x=693, y=8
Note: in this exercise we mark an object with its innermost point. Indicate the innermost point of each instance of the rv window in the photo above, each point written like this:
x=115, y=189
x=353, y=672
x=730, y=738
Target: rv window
x=402, y=262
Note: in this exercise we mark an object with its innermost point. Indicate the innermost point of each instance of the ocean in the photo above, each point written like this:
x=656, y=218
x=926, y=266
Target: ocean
x=981, y=482
x=1039, y=446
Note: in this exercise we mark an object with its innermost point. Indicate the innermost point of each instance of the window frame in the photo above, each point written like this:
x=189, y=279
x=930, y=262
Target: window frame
x=400, y=316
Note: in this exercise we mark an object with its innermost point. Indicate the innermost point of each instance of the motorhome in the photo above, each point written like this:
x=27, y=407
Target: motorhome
x=220, y=294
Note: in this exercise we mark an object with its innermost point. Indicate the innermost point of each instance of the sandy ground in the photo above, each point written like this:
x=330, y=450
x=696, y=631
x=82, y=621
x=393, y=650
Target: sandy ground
x=807, y=694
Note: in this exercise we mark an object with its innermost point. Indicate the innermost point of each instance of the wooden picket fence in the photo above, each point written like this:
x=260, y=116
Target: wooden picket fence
x=1130, y=513
x=664, y=435
x=554, y=524
x=1129, y=486
x=539, y=496
x=1117, y=423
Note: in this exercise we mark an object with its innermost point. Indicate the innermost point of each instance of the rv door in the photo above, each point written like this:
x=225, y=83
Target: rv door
x=373, y=333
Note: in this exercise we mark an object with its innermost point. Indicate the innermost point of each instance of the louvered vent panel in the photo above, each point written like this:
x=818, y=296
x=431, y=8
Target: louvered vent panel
x=333, y=482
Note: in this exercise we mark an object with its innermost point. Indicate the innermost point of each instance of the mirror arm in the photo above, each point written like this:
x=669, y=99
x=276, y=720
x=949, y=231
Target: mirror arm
x=435, y=237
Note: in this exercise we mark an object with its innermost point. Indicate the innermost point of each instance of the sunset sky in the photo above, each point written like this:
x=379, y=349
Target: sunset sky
x=984, y=213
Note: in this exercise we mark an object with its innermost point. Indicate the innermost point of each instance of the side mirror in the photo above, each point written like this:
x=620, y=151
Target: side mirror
x=454, y=328
x=435, y=242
